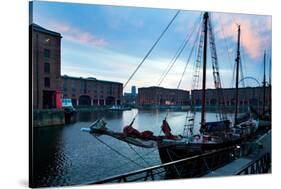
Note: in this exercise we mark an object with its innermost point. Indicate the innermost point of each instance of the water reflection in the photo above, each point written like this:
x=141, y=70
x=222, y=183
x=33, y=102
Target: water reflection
x=64, y=155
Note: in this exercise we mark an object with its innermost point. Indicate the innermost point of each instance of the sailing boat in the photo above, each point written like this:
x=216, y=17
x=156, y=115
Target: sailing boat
x=213, y=135
x=265, y=116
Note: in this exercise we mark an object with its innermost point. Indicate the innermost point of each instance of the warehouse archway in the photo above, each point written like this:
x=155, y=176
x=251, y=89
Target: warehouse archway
x=110, y=100
x=85, y=100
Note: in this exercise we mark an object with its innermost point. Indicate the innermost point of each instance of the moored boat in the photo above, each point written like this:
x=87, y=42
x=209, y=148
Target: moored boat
x=212, y=136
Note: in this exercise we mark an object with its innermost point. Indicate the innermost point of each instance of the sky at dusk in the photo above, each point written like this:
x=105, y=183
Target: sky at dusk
x=108, y=42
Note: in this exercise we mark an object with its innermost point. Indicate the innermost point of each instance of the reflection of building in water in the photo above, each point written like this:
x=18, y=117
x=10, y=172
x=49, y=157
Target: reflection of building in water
x=46, y=67
x=130, y=98
x=247, y=96
x=91, y=92
x=162, y=96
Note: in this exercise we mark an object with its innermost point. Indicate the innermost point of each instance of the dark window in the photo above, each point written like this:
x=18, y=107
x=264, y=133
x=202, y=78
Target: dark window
x=47, y=82
x=82, y=86
x=73, y=87
x=46, y=68
x=47, y=53
x=65, y=85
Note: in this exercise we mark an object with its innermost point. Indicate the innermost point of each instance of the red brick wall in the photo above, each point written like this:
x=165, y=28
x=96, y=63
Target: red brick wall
x=38, y=59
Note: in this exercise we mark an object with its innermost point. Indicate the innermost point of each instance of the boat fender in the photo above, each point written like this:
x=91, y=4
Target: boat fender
x=197, y=137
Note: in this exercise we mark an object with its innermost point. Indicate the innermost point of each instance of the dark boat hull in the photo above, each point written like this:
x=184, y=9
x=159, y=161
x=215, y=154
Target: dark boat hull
x=176, y=152
x=200, y=166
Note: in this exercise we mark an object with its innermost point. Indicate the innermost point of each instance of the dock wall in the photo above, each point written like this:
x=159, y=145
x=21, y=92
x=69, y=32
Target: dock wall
x=48, y=117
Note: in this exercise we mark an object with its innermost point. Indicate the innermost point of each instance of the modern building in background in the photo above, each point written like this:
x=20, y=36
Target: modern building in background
x=246, y=96
x=134, y=91
x=162, y=96
x=46, y=67
x=91, y=91
x=131, y=98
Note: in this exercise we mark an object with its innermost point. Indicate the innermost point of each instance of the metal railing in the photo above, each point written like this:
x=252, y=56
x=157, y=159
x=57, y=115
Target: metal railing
x=260, y=165
x=194, y=166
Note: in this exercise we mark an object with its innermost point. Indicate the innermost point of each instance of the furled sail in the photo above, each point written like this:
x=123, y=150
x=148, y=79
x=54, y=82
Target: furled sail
x=99, y=128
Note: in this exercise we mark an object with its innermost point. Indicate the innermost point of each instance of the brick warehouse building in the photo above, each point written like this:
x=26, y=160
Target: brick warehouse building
x=91, y=92
x=246, y=96
x=46, y=67
x=162, y=96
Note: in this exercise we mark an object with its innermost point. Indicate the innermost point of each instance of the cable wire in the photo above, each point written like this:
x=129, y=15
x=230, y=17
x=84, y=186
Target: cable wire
x=179, y=51
x=117, y=152
x=138, y=154
x=187, y=62
x=150, y=50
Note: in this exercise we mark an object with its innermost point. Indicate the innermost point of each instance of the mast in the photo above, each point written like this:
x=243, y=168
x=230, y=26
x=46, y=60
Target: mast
x=269, y=73
x=269, y=84
x=237, y=74
x=264, y=80
x=206, y=17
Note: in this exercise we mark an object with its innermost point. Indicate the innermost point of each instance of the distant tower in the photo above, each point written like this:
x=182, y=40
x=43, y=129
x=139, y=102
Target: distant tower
x=134, y=91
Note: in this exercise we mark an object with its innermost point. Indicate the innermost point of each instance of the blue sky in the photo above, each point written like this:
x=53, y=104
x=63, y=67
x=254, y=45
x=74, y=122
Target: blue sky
x=108, y=42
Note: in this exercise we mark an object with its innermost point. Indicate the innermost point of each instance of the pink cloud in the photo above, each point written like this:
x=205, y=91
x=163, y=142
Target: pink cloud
x=253, y=28
x=251, y=40
x=74, y=34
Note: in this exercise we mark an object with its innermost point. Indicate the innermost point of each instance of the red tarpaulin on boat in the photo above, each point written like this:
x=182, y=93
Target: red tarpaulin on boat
x=167, y=130
x=130, y=131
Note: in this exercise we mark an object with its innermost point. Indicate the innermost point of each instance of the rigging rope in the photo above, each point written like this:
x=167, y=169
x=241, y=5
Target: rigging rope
x=126, y=164
x=150, y=50
x=138, y=154
x=187, y=62
x=117, y=152
x=197, y=61
x=233, y=76
x=132, y=148
x=243, y=66
x=172, y=63
x=241, y=72
x=226, y=41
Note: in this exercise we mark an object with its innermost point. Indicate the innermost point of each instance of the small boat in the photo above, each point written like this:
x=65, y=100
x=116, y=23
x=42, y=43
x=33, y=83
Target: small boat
x=119, y=108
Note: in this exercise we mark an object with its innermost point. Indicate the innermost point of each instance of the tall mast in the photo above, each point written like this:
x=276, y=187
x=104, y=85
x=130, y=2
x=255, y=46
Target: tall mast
x=264, y=80
x=206, y=17
x=237, y=74
x=269, y=73
x=269, y=84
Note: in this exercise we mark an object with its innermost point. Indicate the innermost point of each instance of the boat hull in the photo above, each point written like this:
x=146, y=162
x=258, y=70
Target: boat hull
x=200, y=166
x=176, y=152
